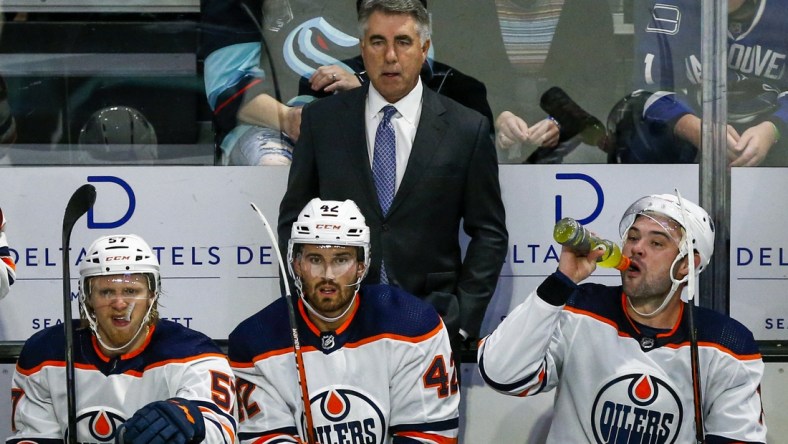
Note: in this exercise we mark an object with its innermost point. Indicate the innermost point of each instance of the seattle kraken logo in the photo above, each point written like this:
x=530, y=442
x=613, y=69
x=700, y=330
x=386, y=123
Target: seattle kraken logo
x=313, y=41
x=636, y=408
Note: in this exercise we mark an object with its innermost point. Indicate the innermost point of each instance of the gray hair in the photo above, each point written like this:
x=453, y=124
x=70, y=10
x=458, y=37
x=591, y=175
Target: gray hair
x=413, y=8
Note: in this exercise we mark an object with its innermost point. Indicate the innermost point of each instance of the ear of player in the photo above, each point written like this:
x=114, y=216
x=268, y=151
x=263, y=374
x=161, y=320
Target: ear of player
x=173, y=421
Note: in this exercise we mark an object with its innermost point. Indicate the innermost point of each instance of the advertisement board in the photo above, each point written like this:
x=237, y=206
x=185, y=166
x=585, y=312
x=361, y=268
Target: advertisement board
x=759, y=252
x=217, y=262
x=218, y=265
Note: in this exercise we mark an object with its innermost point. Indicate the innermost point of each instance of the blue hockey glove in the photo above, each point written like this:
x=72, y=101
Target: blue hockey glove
x=174, y=421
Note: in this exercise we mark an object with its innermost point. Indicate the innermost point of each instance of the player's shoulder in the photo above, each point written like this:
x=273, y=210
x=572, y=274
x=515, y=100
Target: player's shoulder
x=596, y=298
x=43, y=346
x=390, y=309
x=601, y=302
x=717, y=328
x=268, y=329
x=271, y=318
x=171, y=340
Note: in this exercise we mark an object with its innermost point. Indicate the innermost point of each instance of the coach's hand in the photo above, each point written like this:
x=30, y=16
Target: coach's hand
x=175, y=420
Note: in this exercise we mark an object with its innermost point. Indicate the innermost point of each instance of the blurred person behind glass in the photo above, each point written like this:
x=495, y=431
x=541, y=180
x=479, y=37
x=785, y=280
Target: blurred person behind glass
x=552, y=43
x=660, y=123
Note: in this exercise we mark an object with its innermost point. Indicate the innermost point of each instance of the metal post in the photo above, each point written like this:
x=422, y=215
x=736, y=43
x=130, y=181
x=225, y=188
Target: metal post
x=715, y=180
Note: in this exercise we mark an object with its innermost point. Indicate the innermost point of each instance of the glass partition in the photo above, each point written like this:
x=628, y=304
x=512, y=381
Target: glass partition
x=187, y=82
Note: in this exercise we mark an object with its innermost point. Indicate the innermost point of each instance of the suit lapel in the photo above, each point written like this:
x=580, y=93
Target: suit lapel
x=353, y=129
x=432, y=127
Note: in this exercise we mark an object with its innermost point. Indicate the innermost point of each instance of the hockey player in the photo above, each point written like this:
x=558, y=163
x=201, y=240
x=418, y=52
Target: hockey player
x=619, y=356
x=7, y=265
x=377, y=360
x=139, y=379
x=667, y=125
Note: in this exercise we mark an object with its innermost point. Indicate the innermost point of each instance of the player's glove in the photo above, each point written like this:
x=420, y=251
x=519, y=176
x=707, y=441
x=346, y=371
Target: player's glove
x=174, y=421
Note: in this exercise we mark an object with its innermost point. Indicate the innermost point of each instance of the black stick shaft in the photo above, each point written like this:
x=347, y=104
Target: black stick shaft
x=79, y=204
x=70, y=385
x=299, y=360
x=696, y=380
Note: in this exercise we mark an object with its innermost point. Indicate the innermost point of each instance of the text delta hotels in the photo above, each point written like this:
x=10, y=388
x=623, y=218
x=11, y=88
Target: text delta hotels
x=167, y=256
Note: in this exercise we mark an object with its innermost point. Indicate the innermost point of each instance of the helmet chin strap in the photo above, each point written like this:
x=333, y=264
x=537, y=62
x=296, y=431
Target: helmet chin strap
x=673, y=287
x=94, y=325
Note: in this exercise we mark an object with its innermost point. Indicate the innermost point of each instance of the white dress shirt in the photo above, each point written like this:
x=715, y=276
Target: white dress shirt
x=405, y=122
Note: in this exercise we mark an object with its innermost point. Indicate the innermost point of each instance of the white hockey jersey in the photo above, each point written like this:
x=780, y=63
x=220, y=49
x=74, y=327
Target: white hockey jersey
x=616, y=381
x=174, y=362
x=385, y=376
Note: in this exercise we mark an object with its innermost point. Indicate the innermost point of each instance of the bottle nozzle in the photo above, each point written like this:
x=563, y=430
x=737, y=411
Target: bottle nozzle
x=624, y=264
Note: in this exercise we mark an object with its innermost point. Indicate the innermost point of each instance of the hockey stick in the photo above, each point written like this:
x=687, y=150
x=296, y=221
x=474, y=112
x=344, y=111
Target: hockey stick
x=310, y=432
x=79, y=204
x=693, y=334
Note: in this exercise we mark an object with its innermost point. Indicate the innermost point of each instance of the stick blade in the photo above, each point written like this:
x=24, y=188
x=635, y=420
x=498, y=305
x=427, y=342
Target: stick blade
x=79, y=203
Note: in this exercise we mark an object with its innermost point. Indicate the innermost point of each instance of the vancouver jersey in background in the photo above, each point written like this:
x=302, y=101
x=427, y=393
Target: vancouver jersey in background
x=668, y=57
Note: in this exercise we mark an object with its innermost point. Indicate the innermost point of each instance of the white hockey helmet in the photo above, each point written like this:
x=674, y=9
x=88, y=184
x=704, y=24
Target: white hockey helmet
x=695, y=221
x=330, y=222
x=119, y=254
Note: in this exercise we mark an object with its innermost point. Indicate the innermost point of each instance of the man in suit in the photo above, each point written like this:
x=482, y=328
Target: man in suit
x=446, y=172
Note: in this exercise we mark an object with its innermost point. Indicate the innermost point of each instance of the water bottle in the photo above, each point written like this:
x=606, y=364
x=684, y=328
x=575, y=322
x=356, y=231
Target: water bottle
x=570, y=233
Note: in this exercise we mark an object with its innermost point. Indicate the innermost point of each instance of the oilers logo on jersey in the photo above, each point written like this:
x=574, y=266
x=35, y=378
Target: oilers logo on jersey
x=636, y=408
x=347, y=415
x=100, y=424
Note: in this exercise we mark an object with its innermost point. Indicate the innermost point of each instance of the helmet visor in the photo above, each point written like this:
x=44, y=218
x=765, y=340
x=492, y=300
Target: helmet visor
x=105, y=290
x=326, y=264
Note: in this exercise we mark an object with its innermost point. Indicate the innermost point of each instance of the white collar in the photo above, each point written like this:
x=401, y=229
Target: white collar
x=407, y=106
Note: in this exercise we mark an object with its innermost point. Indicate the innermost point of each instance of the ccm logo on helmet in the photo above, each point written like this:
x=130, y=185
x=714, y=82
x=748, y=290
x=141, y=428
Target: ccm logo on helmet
x=117, y=258
x=328, y=227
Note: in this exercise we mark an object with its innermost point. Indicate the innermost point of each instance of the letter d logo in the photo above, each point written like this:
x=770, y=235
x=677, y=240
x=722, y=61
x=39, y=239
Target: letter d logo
x=600, y=197
x=130, y=209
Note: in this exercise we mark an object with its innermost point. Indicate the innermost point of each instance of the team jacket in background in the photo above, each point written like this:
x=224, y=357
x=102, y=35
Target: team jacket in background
x=385, y=376
x=616, y=384
x=174, y=362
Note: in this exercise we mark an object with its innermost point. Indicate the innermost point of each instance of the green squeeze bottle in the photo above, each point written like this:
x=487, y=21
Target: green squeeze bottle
x=568, y=232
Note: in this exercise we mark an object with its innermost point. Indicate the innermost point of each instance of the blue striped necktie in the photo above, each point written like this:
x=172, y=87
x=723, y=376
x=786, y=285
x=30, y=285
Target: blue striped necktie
x=384, y=163
x=384, y=167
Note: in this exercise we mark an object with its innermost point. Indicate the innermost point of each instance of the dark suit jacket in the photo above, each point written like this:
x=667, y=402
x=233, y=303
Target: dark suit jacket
x=451, y=176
